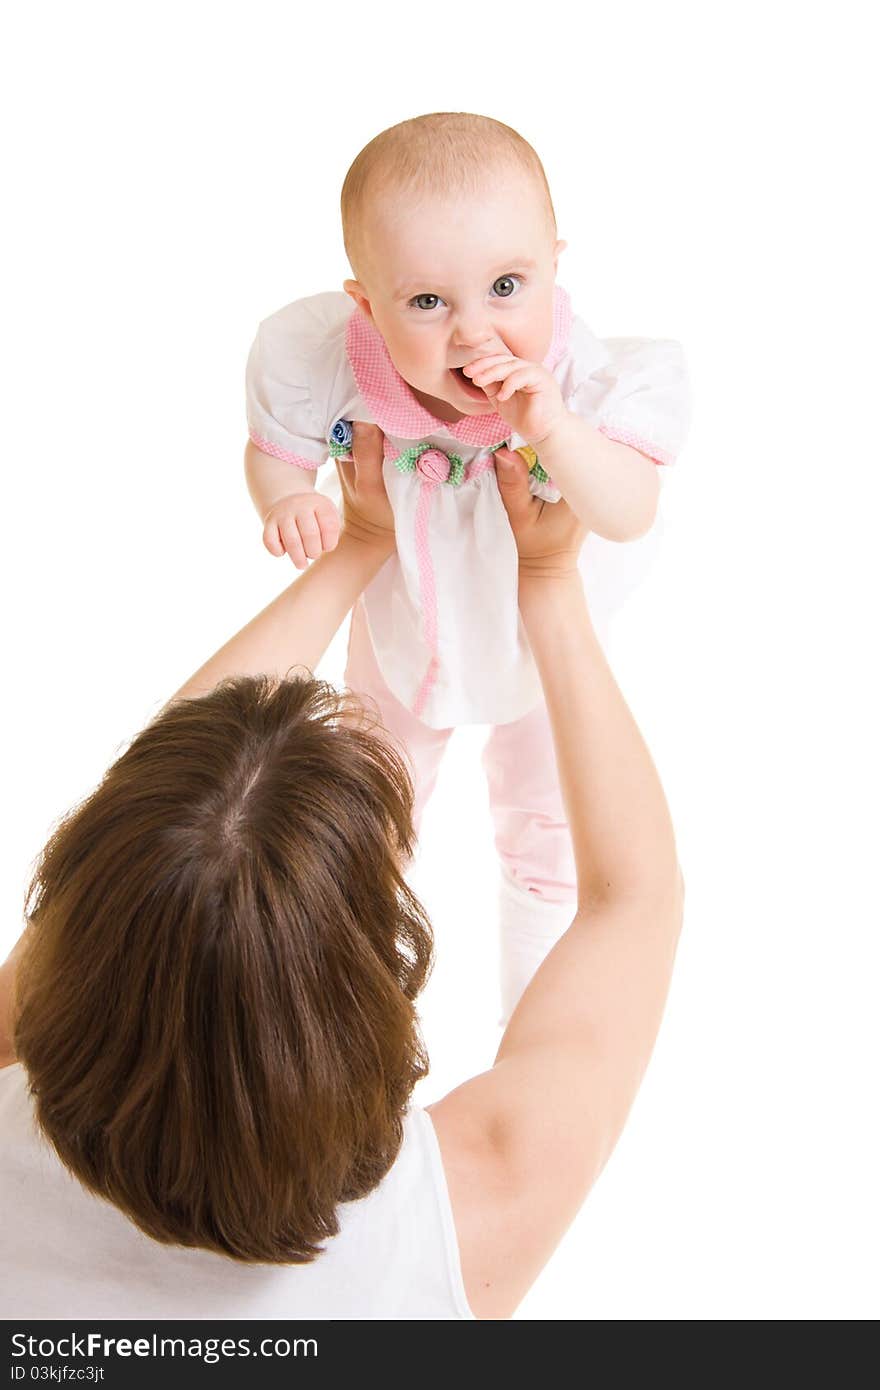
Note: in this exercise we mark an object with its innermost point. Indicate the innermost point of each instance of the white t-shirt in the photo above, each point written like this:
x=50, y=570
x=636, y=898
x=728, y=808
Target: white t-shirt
x=443, y=614
x=65, y=1253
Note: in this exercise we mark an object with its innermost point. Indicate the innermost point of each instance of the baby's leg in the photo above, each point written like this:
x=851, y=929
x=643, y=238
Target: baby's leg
x=423, y=746
x=538, y=882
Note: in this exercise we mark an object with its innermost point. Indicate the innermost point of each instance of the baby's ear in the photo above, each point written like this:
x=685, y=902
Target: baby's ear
x=558, y=250
x=358, y=294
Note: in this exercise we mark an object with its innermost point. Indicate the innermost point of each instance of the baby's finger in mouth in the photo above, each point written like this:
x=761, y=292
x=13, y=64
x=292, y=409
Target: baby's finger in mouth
x=482, y=364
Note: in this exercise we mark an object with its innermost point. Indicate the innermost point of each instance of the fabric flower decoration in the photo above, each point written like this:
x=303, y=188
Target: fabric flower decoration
x=526, y=451
x=339, y=440
x=433, y=464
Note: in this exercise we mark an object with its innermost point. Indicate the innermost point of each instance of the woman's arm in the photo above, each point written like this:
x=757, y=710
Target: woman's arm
x=298, y=626
x=524, y=1142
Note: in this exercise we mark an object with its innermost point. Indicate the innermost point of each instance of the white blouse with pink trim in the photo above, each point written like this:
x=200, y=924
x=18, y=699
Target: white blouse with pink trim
x=443, y=613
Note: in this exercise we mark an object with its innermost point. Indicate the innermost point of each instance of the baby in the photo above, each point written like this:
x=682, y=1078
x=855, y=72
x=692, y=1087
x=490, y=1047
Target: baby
x=455, y=339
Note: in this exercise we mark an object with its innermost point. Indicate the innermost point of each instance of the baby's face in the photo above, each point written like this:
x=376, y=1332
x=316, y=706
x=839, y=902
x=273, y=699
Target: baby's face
x=448, y=281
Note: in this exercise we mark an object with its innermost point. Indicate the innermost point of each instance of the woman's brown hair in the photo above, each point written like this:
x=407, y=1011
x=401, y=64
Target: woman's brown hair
x=215, y=1002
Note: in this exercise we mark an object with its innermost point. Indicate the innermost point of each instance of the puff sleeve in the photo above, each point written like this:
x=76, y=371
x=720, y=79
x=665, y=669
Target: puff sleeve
x=292, y=359
x=640, y=396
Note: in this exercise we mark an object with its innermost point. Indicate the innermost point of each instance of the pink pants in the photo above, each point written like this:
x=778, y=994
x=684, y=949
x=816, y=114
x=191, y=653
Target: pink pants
x=538, y=888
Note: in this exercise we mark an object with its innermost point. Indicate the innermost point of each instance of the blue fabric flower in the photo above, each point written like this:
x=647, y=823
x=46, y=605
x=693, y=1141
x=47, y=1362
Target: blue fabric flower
x=339, y=439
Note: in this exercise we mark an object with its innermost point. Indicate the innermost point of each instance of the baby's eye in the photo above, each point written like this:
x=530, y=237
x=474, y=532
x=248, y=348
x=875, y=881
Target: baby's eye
x=434, y=298
x=507, y=286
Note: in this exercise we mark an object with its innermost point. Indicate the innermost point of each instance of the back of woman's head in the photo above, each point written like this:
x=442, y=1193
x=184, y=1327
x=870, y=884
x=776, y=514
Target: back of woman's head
x=215, y=1004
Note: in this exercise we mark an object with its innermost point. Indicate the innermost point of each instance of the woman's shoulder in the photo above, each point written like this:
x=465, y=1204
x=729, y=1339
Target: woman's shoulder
x=432, y=1156
x=12, y=1077
x=484, y=1203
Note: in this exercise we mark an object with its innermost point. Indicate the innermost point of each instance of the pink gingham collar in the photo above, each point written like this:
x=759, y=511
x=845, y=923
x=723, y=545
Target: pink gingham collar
x=394, y=407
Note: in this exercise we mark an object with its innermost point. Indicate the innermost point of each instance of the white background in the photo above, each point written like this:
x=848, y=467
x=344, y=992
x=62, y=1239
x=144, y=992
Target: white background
x=173, y=178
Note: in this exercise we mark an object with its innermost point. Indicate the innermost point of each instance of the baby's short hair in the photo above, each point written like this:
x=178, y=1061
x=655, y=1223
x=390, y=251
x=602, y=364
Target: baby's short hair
x=441, y=152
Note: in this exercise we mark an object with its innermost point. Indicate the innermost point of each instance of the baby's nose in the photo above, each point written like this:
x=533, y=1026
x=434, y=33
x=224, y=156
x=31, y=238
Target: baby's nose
x=478, y=344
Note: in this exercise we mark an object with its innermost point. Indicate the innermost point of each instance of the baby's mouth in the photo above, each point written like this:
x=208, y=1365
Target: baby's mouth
x=474, y=392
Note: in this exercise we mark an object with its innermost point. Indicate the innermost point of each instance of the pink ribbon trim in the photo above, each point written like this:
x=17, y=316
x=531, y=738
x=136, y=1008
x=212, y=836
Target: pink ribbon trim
x=275, y=451
x=621, y=435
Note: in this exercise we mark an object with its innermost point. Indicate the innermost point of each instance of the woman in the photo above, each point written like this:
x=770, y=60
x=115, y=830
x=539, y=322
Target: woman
x=212, y=1003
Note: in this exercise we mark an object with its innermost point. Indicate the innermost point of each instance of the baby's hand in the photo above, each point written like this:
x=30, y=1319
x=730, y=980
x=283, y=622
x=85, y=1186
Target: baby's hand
x=304, y=525
x=526, y=395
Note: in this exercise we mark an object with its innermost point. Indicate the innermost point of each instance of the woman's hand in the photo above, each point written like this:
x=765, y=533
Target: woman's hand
x=548, y=535
x=366, y=511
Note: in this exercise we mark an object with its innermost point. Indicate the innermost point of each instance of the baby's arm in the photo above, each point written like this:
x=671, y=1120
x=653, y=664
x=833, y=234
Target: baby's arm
x=296, y=519
x=611, y=487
